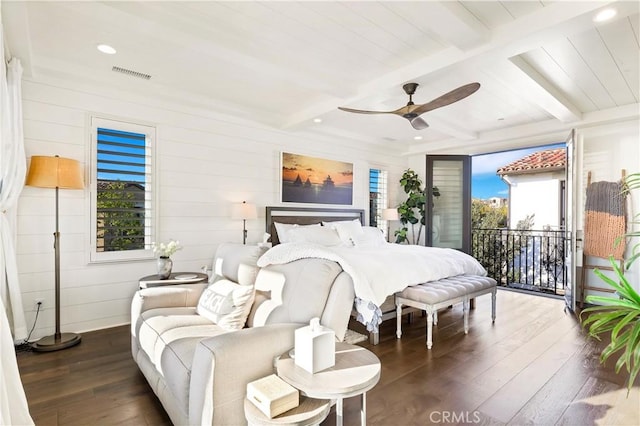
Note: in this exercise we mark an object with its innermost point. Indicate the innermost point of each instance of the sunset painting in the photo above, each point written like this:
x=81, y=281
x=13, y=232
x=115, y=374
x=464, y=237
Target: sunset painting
x=316, y=180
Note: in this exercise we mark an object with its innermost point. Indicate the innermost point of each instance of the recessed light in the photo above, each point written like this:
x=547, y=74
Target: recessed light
x=317, y=120
x=105, y=48
x=417, y=138
x=500, y=118
x=605, y=15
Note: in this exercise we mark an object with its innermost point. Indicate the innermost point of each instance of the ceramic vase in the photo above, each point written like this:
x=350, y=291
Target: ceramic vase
x=164, y=267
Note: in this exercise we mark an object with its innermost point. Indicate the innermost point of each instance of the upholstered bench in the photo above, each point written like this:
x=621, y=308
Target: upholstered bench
x=439, y=294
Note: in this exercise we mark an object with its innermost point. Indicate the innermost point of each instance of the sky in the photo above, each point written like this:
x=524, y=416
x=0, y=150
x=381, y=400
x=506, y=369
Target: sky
x=485, y=183
x=316, y=169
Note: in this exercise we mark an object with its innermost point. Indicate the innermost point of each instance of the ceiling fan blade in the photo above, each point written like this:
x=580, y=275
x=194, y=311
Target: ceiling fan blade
x=448, y=98
x=362, y=111
x=418, y=123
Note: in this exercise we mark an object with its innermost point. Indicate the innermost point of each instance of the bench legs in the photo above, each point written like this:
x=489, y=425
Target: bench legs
x=493, y=305
x=432, y=312
x=465, y=310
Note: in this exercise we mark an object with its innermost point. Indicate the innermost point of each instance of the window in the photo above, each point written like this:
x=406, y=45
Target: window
x=122, y=196
x=377, y=198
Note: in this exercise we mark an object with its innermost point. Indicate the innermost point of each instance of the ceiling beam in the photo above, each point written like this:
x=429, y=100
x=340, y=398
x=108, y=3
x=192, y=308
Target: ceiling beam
x=529, y=84
x=529, y=32
x=544, y=132
x=456, y=26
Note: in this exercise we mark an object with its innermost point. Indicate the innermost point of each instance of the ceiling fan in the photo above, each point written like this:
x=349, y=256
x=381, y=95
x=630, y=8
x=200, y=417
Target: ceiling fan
x=412, y=111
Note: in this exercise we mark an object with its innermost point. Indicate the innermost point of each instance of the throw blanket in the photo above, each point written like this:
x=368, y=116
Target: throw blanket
x=605, y=220
x=378, y=272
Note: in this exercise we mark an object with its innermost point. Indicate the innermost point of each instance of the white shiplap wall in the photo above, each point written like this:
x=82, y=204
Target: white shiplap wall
x=205, y=161
x=607, y=150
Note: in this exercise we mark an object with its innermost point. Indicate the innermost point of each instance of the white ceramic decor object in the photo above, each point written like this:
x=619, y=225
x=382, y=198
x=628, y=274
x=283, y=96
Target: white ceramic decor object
x=315, y=347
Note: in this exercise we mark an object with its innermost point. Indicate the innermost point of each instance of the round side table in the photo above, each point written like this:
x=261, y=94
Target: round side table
x=310, y=412
x=356, y=371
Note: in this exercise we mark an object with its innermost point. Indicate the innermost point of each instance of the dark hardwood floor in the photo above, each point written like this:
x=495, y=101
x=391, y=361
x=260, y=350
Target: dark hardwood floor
x=534, y=366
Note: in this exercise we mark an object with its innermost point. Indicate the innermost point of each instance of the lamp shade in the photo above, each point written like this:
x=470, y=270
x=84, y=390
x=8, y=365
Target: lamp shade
x=390, y=214
x=55, y=172
x=244, y=210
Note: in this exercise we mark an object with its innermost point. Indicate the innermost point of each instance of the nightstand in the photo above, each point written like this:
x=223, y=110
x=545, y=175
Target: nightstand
x=174, y=278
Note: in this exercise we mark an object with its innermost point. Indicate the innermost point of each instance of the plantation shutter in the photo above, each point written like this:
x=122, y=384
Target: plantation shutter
x=123, y=191
x=377, y=197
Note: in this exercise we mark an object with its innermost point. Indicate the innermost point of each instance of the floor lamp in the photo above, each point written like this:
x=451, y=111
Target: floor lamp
x=244, y=211
x=389, y=215
x=55, y=172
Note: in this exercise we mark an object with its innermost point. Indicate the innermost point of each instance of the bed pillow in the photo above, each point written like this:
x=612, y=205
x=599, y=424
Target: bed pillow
x=283, y=229
x=371, y=237
x=226, y=303
x=348, y=230
x=322, y=235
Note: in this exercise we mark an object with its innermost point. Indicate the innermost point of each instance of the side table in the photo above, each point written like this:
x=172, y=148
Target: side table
x=310, y=412
x=174, y=278
x=356, y=371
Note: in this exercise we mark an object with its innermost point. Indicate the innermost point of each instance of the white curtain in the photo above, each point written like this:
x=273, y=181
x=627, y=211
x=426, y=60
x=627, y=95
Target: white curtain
x=13, y=403
x=13, y=165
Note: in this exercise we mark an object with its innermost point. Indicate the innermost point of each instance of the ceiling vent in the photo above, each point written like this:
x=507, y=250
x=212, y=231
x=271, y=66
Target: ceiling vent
x=131, y=73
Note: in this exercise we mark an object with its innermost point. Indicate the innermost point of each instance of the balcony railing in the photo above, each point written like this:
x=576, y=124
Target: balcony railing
x=525, y=259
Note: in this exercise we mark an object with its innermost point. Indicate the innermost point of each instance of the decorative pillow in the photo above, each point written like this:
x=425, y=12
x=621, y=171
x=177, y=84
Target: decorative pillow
x=226, y=303
x=322, y=235
x=348, y=230
x=371, y=237
x=283, y=229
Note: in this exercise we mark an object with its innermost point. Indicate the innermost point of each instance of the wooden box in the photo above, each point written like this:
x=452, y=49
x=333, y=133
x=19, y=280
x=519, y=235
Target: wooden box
x=272, y=395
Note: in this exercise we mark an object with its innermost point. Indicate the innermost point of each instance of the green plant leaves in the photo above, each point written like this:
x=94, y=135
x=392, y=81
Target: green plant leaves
x=618, y=315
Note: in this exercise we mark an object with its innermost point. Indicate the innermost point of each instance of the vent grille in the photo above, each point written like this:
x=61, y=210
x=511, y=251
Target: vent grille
x=131, y=72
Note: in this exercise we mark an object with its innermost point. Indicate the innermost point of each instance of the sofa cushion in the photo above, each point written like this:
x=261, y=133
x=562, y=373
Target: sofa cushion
x=168, y=336
x=293, y=292
x=236, y=262
x=154, y=323
x=177, y=359
x=226, y=304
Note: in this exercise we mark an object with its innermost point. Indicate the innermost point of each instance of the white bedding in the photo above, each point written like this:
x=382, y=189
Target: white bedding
x=378, y=272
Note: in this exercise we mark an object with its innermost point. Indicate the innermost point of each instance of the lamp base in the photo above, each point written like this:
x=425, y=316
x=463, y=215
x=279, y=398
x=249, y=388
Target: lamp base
x=55, y=343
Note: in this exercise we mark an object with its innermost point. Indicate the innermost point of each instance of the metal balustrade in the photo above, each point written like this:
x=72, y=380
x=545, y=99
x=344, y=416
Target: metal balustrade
x=532, y=260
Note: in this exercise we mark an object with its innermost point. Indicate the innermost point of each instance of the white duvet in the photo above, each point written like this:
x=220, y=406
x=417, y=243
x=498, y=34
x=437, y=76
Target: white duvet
x=380, y=271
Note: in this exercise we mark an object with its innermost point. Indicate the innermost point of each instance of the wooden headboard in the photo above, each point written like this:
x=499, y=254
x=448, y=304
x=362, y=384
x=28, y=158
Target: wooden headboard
x=306, y=216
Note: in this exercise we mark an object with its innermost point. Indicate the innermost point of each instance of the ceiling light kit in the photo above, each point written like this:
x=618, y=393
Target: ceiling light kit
x=605, y=15
x=105, y=48
x=412, y=111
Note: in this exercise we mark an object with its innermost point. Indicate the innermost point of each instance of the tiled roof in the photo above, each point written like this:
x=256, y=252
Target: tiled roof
x=541, y=161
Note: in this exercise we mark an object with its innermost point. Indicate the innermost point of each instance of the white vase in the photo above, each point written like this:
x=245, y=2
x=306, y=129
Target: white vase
x=164, y=267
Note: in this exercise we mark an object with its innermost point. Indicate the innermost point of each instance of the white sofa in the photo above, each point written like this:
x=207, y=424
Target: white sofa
x=198, y=369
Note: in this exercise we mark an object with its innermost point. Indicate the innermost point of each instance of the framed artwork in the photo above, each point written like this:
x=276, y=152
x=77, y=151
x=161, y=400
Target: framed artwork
x=315, y=180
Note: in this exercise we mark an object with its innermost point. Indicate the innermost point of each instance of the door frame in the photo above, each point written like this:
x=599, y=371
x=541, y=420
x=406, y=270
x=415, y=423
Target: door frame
x=466, y=198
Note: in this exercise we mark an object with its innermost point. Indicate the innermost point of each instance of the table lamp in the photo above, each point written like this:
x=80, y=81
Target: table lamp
x=244, y=211
x=389, y=215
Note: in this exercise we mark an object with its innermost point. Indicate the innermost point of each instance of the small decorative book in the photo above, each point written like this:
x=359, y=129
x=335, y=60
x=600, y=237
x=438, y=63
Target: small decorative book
x=272, y=395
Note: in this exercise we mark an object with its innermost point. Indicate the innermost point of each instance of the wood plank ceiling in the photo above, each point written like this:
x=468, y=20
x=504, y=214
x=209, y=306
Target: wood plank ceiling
x=543, y=66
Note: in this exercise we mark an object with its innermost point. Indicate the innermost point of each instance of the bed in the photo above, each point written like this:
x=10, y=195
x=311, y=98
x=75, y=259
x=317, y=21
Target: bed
x=377, y=268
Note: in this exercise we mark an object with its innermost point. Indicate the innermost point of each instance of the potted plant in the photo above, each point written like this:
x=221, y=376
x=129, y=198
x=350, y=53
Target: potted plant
x=619, y=315
x=164, y=263
x=412, y=211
